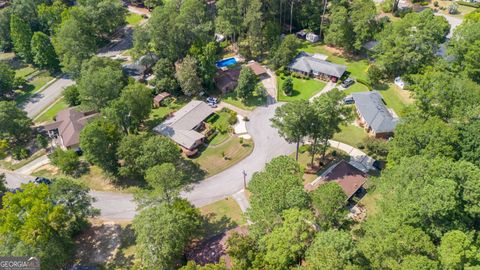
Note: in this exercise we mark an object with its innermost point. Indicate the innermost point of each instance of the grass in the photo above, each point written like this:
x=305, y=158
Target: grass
x=356, y=87
x=370, y=202
x=33, y=87
x=15, y=166
x=24, y=72
x=395, y=98
x=219, y=138
x=7, y=56
x=212, y=161
x=158, y=115
x=133, y=19
x=303, y=89
x=462, y=10
x=225, y=208
x=249, y=104
x=351, y=135
x=50, y=113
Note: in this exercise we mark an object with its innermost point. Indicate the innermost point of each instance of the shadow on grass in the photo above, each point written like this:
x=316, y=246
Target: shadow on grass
x=381, y=86
x=121, y=260
x=214, y=225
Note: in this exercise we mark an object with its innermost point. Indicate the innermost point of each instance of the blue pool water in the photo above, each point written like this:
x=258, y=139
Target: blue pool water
x=226, y=62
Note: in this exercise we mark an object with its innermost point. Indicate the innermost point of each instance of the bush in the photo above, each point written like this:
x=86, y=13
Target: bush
x=67, y=161
x=468, y=4
x=453, y=8
x=232, y=120
x=41, y=141
x=288, y=86
x=20, y=153
x=435, y=4
x=304, y=148
x=376, y=148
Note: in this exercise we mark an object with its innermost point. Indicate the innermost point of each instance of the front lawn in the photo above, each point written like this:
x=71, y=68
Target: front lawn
x=303, y=89
x=24, y=72
x=226, y=208
x=217, y=158
x=305, y=158
x=33, y=86
x=133, y=19
x=50, y=113
x=249, y=104
x=351, y=135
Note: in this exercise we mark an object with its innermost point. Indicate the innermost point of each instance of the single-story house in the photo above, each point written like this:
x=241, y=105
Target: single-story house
x=346, y=175
x=373, y=115
x=310, y=65
x=158, y=99
x=227, y=80
x=185, y=125
x=65, y=131
x=258, y=69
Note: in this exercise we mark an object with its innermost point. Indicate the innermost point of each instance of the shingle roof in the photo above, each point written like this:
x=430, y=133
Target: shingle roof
x=370, y=105
x=348, y=177
x=306, y=62
x=180, y=127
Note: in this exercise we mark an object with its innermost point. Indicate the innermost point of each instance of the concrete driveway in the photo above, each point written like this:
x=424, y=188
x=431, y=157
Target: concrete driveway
x=41, y=100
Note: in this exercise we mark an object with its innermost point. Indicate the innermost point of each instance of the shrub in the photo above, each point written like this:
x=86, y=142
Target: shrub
x=453, y=8
x=41, y=141
x=304, y=148
x=20, y=153
x=232, y=120
x=435, y=3
x=288, y=86
x=468, y=4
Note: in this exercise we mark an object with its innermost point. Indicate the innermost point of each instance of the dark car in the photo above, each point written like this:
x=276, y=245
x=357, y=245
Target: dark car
x=42, y=180
x=349, y=81
x=348, y=100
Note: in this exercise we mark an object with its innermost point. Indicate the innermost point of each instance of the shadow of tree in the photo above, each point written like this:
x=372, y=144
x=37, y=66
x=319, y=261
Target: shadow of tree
x=121, y=260
x=214, y=225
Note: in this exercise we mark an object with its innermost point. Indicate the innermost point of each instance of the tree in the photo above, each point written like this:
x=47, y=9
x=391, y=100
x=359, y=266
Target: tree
x=151, y=4
x=187, y=76
x=472, y=61
x=288, y=86
x=131, y=108
x=77, y=201
x=407, y=45
x=21, y=35
x=418, y=262
x=7, y=78
x=431, y=137
x=331, y=250
x=363, y=19
x=286, y=51
x=253, y=44
x=5, y=40
x=456, y=250
x=228, y=20
x=99, y=140
x=243, y=250
x=285, y=245
x=329, y=199
x=44, y=55
x=277, y=188
x=339, y=32
x=100, y=82
x=165, y=182
x=32, y=223
x=141, y=152
x=50, y=16
x=165, y=80
x=67, y=161
x=375, y=74
x=469, y=142
x=464, y=38
x=163, y=232
x=291, y=121
x=206, y=58
x=41, y=141
x=246, y=83
x=14, y=124
x=71, y=96
x=3, y=185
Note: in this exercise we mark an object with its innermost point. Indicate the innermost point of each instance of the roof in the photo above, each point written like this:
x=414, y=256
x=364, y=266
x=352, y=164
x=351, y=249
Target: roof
x=226, y=77
x=256, y=68
x=348, y=177
x=180, y=127
x=371, y=107
x=308, y=63
x=70, y=123
x=160, y=97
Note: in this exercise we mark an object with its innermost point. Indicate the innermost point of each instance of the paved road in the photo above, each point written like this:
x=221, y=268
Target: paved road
x=41, y=100
x=267, y=146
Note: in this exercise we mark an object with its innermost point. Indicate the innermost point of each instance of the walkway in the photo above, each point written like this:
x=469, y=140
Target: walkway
x=357, y=157
x=327, y=88
x=33, y=165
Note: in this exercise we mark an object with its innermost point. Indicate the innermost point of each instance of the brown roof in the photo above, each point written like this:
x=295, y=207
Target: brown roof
x=348, y=177
x=256, y=68
x=226, y=77
x=160, y=97
x=70, y=123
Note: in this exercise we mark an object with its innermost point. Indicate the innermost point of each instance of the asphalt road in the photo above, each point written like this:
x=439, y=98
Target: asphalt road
x=41, y=100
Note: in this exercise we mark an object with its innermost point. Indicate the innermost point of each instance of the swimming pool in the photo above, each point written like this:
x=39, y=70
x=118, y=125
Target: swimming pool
x=226, y=62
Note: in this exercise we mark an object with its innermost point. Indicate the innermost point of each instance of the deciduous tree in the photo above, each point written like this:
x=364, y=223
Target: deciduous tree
x=21, y=35
x=246, y=83
x=43, y=53
x=7, y=79
x=331, y=250
x=329, y=199
x=67, y=161
x=187, y=76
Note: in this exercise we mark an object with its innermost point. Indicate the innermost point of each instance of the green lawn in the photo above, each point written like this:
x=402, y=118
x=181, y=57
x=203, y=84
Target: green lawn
x=212, y=161
x=158, y=115
x=133, y=19
x=33, y=86
x=356, y=87
x=24, y=72
x=351, y=135
x=249, y=104
x=49, y=114
x=356, y=67
x=225, y=208
x=303, y=89
x=396, y=98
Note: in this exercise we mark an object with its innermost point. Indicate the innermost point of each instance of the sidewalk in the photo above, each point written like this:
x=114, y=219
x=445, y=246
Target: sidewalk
x=239, y=111
x=32, y=166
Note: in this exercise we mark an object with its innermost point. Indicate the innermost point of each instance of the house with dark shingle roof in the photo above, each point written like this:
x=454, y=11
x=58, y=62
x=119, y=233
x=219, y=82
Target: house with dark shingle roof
x=65, y=131
x=374, y=116
x=183, y=127
x=315, y=66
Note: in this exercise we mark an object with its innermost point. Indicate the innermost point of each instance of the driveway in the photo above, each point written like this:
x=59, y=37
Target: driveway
x=268, y=144
x=32, y=166
x=453, y=21
x=41, y=100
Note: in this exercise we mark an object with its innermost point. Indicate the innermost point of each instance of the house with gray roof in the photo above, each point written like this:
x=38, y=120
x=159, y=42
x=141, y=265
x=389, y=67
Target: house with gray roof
x=315, y=66
x=374, y=116
x=184, y=126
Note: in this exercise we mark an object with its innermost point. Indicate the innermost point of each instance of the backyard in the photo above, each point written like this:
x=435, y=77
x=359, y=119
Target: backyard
x=303, y=89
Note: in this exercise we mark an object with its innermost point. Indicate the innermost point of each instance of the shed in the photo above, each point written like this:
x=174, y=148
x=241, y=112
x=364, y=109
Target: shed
x=157, y=100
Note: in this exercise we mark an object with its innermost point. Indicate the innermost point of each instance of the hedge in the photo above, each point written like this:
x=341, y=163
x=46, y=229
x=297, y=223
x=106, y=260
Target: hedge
x=468, y=4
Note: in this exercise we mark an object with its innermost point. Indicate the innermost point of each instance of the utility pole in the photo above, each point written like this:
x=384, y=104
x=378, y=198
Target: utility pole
x=244, y=179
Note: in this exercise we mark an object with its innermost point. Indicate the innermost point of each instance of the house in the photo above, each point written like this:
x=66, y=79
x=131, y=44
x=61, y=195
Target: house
x=373, y=115
x=65, y=131
x=185, y=126
x=227, y=80
x=312, y=37
x=346, y=175
x=158, y=99
x=311, y=65
x=258, y=69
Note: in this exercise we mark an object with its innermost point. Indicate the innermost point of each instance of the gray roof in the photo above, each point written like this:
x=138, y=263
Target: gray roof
x=370, y=105
x=180, y=127
x=308, y=63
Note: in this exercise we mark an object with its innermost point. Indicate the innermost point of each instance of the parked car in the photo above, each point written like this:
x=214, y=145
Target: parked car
x=349, y=81
x=42, y=180
x=348, y=100
x=212, y=102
